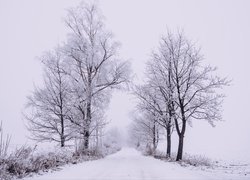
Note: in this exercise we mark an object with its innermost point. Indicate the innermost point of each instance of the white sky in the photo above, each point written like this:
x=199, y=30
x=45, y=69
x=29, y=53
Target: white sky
x=221, y=28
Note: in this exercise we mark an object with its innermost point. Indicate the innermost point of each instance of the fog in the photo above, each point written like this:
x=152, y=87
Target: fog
x=220, y=28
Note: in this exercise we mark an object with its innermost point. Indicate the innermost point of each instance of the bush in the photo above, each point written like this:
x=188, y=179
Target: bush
x=193, y=160
x=196, y=160
x=109, y=149
x=26, y=160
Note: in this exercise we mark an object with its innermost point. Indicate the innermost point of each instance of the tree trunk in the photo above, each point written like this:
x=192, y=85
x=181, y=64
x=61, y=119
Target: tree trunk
x=181, y=138
x=183, y=129
x=62, y=131
x=62, y=141
x=168, y=141
x=154, y=138
x=180, y=148
x=88, y=113
x=97, y=138
x=86, y=139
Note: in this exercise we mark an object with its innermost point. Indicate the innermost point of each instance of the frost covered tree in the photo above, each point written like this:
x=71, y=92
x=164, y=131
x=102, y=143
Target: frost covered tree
x=152, y=110
x=144, y=132
x=159, y=75
x=179, y=88
x=195, y=94
x=95, y=67
x=49, y=106
x=156, y=98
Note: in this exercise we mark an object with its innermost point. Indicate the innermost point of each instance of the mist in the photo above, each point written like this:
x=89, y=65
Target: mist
x=221, y=29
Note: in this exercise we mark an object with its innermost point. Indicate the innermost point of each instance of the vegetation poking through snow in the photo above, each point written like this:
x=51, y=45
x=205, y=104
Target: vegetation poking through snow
x=188, y=159
x=25, y=160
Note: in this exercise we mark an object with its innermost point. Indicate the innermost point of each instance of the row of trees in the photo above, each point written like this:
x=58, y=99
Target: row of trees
x=78, y=78
x=80, y=74
x=178, y=90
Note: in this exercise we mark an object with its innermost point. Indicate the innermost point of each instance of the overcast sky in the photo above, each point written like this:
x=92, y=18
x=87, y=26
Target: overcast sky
x=220, y=28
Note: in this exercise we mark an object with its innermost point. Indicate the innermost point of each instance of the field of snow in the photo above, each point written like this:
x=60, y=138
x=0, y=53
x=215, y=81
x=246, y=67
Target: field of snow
x=129, y=164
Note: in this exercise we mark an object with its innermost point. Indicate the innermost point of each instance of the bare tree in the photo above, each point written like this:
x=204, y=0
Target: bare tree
x=49, y=106
x=95, y=66
x=144, y=132
x=160, y=79
x=195, y=86
x=179, y=88
x=152, y=105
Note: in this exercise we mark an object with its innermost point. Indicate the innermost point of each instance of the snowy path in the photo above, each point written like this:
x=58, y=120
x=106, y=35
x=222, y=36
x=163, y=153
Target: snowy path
x=127, y=164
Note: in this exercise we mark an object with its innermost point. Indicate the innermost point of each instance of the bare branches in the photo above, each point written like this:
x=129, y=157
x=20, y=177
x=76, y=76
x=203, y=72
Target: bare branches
x=195, y=86
x=78, y=80
x=95, y=67
x=181, y=88
x=49, y=106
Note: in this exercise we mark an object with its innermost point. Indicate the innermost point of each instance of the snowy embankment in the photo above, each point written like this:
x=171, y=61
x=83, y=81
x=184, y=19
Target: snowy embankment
x=26, y=161
x=130, y=164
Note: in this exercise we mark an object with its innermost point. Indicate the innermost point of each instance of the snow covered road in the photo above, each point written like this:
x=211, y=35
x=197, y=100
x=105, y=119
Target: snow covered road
x=127, y=164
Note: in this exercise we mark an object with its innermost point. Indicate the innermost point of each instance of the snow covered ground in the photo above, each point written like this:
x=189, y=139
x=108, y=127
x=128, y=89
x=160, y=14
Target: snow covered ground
x=129, y=164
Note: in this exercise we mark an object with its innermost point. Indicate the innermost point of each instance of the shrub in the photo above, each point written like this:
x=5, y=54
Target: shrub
x=193, y=160
x=197, y=160
x=26, y=160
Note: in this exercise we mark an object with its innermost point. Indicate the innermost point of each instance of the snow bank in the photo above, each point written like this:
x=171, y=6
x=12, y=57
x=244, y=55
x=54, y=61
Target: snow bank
x=25, y=160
